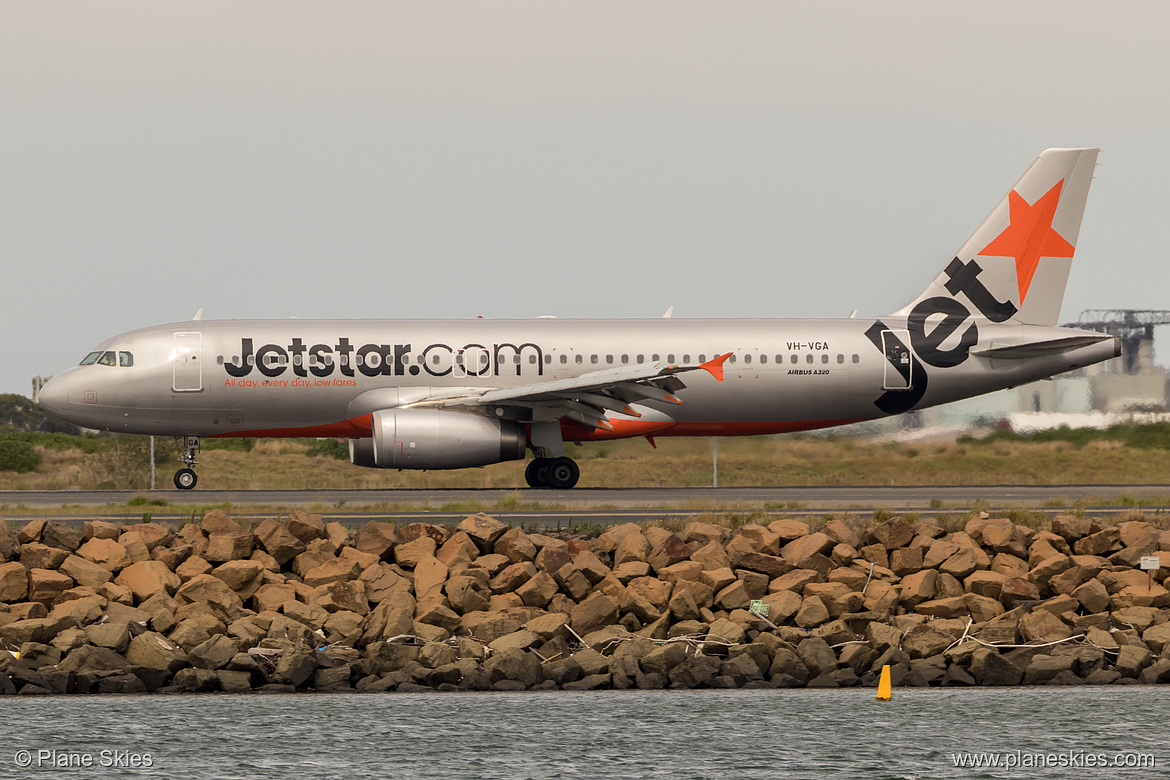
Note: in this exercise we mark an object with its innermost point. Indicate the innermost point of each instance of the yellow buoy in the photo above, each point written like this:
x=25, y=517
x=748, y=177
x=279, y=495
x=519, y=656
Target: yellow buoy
x=885, y=688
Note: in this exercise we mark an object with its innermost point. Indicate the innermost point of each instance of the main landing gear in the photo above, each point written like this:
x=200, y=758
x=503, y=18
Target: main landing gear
x=185, y=478
x=557, y=473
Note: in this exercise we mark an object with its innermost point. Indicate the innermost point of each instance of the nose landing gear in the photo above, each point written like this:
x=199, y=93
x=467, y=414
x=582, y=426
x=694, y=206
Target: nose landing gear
x=185, y=478
x=558, y=473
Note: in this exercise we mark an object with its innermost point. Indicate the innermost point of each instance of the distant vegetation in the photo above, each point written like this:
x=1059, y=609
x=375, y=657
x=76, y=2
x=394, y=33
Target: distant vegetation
x=18, y=413
x=1153, y=436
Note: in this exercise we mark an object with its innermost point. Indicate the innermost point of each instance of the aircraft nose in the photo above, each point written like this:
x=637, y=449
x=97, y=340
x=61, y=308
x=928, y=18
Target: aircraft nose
x=54, y=396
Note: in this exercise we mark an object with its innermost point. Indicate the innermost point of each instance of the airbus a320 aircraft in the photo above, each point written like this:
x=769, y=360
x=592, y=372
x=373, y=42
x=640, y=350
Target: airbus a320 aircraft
x=451, y=394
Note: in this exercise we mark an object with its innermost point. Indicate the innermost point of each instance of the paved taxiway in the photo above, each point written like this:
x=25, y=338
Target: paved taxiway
x=605, y=506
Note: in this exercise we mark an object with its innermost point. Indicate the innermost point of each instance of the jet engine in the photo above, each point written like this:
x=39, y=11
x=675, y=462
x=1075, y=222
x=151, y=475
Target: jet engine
x=436, y=439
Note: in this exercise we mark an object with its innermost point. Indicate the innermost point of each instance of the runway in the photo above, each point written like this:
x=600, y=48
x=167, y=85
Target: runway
x=587, y=506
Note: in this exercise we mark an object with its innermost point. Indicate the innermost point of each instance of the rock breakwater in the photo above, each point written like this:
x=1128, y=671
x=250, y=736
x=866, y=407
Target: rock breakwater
x=308, y=605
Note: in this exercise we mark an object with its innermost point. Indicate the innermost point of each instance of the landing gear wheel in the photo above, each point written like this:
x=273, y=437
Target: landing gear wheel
x=562, y=474
x=536, y=475
x=185, y=479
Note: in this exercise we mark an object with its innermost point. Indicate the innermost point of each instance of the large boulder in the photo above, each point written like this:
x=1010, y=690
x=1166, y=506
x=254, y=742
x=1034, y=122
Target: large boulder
x=146, y=578
x=278, y=542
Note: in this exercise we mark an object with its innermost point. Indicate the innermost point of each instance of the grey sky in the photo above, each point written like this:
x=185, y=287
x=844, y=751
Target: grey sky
x=275, y=159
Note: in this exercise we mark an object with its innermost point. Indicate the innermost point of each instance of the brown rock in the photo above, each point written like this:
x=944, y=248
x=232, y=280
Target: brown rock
x=1040, y=625
x=146, y=578
x=1093, y=596
x=333, y=570
x=207, y=588
x=769, y=565
x=61, y=536
x=924, y=641
x=788, y=529
x=13, y=582
x=938, y=551
x=875, y=554
x=632, y=547
x=893, y=533
x=307, y=526
x=812, y=613
x=46, y=585
x=429, y=576
x=919, y=587
x=1103, y=542
x=482, y=530
x=1016, y=590
x=408, y=554
x=669, y=551
x=985, y=583
x=106, y=553
x=799, y=551
x=467, y=594
x=31, y=531
x=241, y=576
x=953, y=607
x=35, y=555
x=961, y=564
x=457, y=552
x=192, y=567
x=278, y=542
x=84, y=572
x=514, y=544
x=223, y=547
x=538, y=590
x=594, y=612
x=375, y=538
x=906, y=560
x=512, y=577
x=1071, y=527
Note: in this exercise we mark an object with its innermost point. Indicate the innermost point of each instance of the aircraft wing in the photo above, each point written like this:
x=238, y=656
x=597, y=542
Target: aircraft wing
x=588, y=397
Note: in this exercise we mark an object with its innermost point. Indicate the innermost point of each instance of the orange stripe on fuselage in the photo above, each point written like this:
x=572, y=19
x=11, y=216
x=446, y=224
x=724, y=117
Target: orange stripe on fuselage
x=573, y=431
x=355, y=428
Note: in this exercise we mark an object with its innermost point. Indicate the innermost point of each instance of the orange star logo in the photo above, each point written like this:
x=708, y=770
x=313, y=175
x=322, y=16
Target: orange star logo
x=1030, y=236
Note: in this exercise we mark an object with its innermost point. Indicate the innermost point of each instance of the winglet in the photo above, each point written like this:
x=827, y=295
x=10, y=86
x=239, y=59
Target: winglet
x=714, y=366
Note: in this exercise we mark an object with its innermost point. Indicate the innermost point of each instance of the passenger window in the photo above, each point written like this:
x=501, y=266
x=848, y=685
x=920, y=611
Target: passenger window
x=794, y=359
x=670, y=358
x=729, y=360
x=252, y=360
x=686, y=359
x=90, y=359
x=625, y=358
x=703, y=358
x=824, y=358
x=125, y=359
x=532, y=359
x=779, y=359
x=609, y=358
x=357, y=359
x=580, y=359
x=564, y=359
x=593, y=359
x=840, y=358
x=746, y=358
x=653, y=358
x=107, y=359
x=763, y=358
x=639, y=358
x=219, y=359
x=808, y=358
x=856, y=359
x=296, y=360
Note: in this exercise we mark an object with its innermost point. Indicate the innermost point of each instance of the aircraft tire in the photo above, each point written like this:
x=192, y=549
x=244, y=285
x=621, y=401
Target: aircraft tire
x=185, y=479
x=536, y=475
x=562, y=474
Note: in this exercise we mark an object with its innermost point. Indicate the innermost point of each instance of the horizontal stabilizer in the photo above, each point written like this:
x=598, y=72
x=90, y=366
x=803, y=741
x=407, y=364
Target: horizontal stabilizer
x=1037, y=349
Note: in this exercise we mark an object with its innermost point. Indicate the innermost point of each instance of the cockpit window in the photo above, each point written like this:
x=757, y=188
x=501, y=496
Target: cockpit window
x=107, y=359
x=90, y=359
x=125, y=359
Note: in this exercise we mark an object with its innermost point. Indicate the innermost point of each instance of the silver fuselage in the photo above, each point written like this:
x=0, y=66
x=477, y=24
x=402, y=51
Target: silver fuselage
x=196, y=378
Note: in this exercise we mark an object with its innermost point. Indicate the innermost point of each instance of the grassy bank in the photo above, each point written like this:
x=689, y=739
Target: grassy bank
x=1136, y=456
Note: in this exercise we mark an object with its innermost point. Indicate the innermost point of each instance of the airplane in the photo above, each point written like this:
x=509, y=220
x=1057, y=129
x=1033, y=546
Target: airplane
x=452, y=394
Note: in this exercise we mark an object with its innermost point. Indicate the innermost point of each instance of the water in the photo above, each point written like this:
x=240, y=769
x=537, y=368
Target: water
x=698, y=735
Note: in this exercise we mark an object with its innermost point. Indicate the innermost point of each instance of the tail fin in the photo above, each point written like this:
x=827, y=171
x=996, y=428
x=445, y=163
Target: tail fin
x=1015, y=265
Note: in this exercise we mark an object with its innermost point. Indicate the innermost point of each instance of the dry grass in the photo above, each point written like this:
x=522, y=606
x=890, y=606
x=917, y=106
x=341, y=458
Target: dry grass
x=759, y=461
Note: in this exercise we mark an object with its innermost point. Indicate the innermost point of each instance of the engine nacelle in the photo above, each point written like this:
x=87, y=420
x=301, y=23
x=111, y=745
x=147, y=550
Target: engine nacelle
x=436, y=439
